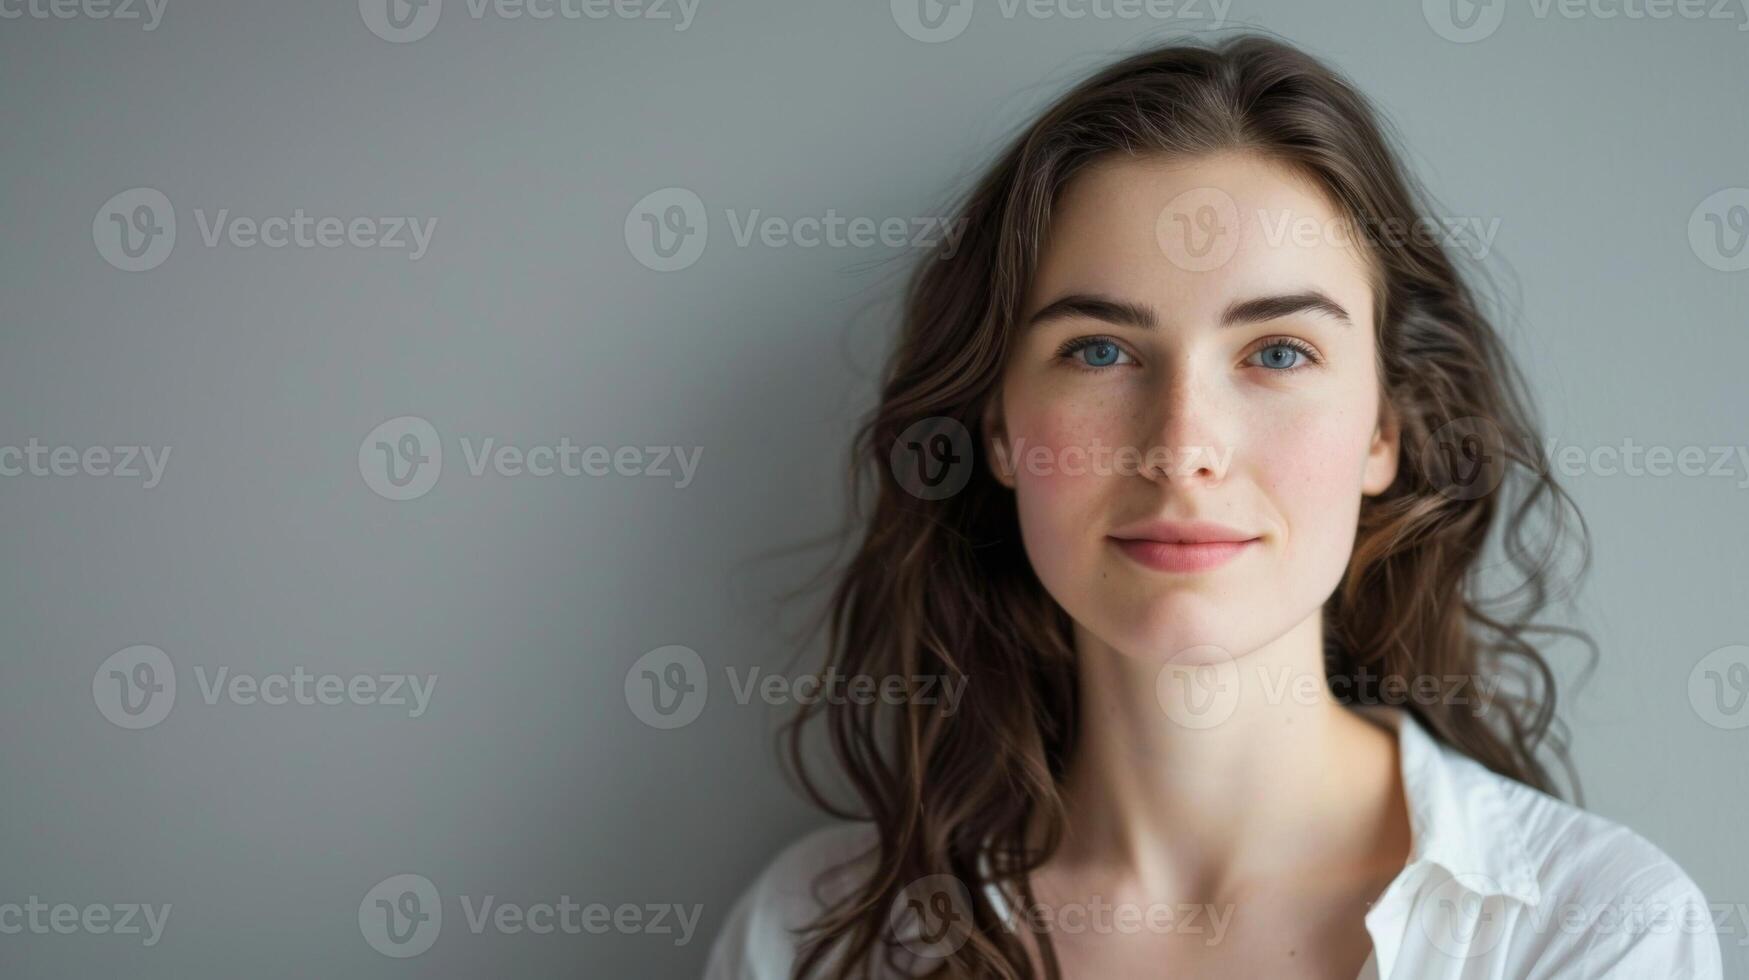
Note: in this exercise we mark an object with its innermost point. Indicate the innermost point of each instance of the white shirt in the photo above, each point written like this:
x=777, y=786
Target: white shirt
x=1502, y=881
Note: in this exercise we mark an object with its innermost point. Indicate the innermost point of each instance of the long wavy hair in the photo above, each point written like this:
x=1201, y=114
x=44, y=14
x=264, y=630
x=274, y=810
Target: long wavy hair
x=943, y=587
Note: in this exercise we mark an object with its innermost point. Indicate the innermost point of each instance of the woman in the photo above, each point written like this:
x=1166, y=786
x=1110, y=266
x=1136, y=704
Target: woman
x=1185, y=463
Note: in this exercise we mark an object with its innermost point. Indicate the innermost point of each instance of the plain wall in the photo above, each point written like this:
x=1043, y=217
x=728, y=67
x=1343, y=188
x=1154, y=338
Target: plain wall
x=1595, y=143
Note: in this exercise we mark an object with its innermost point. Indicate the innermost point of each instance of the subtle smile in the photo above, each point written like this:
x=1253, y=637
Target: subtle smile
x=1182, y=546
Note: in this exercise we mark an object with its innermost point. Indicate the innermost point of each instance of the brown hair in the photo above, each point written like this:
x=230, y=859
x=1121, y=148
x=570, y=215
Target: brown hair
x=943, y=587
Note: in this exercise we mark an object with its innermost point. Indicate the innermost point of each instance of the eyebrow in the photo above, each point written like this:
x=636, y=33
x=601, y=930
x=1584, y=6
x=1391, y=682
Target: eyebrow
x=1255, y=310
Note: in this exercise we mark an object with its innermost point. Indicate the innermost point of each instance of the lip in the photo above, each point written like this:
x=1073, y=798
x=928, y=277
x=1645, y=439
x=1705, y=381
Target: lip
x=1182, y=546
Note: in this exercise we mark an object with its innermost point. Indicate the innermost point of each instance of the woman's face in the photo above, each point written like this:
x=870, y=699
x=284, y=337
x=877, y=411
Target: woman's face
x=1196, y=345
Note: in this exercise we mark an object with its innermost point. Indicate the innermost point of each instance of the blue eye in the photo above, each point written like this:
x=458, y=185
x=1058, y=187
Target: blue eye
x=1100, y=354
x=1284, y=355
x=1092, y=352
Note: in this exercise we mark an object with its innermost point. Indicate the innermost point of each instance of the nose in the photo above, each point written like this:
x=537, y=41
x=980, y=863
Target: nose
x=1186, y=424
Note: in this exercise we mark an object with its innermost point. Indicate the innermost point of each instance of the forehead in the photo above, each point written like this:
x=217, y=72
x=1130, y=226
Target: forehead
x=1188, y=235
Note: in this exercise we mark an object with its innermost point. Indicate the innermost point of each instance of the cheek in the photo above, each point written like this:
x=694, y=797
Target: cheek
x=1058, y=492
x=1310, y=467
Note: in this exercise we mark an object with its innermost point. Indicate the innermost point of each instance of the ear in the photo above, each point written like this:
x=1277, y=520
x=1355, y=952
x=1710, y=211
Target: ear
x=996, y=445
x=1381, y=458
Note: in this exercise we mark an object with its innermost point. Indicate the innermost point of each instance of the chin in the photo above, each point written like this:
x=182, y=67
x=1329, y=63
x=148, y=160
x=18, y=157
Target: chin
x=1181, y=627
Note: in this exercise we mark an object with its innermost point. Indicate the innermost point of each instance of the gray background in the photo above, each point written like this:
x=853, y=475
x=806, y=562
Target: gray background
x=1593, y=140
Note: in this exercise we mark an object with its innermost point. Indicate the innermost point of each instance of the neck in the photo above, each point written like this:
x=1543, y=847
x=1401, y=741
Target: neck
x=1196, y=780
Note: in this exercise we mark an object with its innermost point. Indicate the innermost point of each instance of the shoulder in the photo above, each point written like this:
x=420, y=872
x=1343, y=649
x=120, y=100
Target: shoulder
x=1580, y=852
x=1610, y=902
x=758, y=939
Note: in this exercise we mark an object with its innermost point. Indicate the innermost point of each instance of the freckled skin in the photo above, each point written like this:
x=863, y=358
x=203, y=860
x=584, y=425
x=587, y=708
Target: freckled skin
x=1305, y=445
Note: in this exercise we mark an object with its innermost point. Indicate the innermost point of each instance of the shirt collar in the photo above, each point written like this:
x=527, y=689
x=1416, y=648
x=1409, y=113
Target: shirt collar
x=1459, y=818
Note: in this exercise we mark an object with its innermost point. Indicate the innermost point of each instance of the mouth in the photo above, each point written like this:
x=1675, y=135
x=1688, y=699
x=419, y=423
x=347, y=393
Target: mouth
x=1187, y=546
